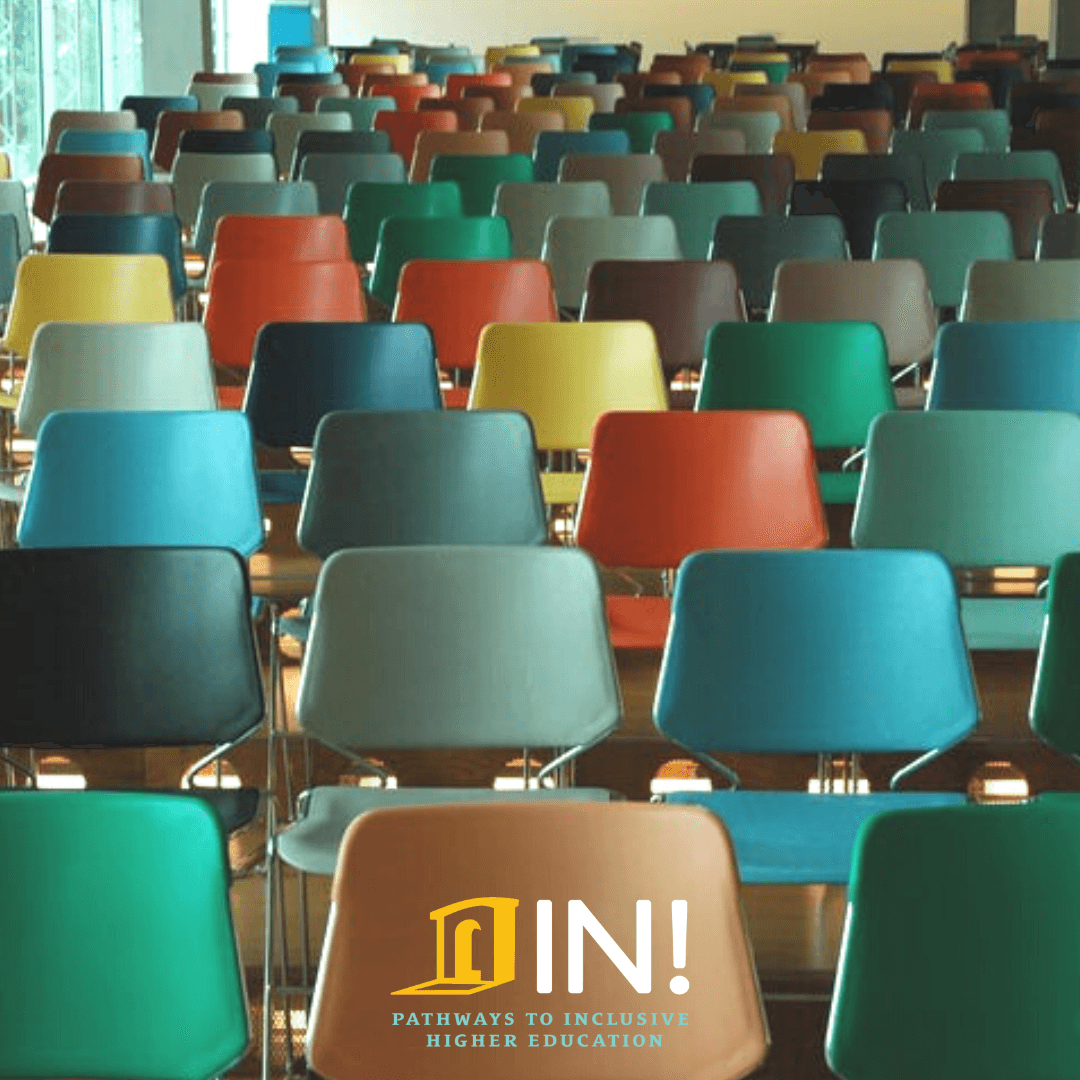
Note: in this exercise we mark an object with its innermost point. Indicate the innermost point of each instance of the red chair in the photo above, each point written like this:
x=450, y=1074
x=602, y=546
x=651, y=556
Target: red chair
x=661, y=485
x=404, y=128
x=407, y=98
x=456, y=83
x=285, y=238
x=938, y=96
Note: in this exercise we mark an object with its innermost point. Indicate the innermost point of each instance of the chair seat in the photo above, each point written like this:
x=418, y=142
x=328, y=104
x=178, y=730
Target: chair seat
x=231, y=397
x=236, y=807
x=456, y=397
x=638, y=622
x=282, y=485
x=311, y=845
x=793, y=838
x=1011, y=623
x=561, y=487
x=839, y=487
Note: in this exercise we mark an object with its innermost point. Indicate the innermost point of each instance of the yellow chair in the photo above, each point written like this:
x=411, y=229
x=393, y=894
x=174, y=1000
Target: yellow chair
x=564, y=376
x=496, y=54
x=5, y=166
x=724, y=82
x=808, y=148
x=759, y=58
x=943, y=69
x=399, y=60
x=575, y=110
x=86, y=288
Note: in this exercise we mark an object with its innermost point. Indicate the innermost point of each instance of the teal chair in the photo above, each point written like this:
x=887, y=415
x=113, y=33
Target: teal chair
x=119, y=922
x=88, y=141
x=993, y=123
x=479, y=176
x=1055, y=696
x=812, y=652
x=695, y=208
x=361, y=109
x=960, y=947
x=946, y=242
x=984, y=489
x=938, y=150
x=405, y=238
x=1015, y=165
x=835, y=374
x=369, y=203
x=529, y=207
x=641, y=127
x=551, y=146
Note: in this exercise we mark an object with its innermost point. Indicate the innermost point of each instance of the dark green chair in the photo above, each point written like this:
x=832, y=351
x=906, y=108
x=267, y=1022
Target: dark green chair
x=641, y=127
x=369, y=203
x=478, y=176
x=116, y=916
x=1055, y=698
x=695, y=208
x=835, y=373
x=405, y=238
x=961, y=948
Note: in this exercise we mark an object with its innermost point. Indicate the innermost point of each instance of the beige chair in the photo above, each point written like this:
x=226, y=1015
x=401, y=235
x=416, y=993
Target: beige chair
x=522, y=127
x=677, y=149
x=286, y=129
x=89, y=119
x=211, y=95
x=793, y=91
x=528, y=207
x=773, y=102
x=1022, y=291
x=625, y=175
x=192, y=172
x=430, y=144
x=604, y=95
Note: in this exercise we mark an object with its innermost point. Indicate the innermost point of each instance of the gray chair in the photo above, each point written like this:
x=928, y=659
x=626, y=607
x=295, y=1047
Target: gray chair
x=625, y=175
x=529, y=207
x=338, y=142
x=362, y=110
x=1059, y=237
x=1015, y=165
x=758, y=128
x=191, y=172
x=13, y=201
x=286, y=129
x=938, y=150
x=333, y=173
x=261, y=198
x=1022, y=291
x=695, y=208
x=677, y=149
x=256, y=111
x=993, y=123
x=907, y=168
x=9, y=256
x=794, y=92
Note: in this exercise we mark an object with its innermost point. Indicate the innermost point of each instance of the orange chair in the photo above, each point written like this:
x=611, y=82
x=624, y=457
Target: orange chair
x=245, y=294
x=407, y=98
x=690, y=67
x=521, y=74
x=404, y=128
x=284, y=238
x=501, y=97
x=942, y=96
x=661, y=485
x=354, y=77
x=458, y=298
x=469, y=110
x=56, y=168
x=170, y=125
x=456, y=83
x=635, y=82
x=855, y=64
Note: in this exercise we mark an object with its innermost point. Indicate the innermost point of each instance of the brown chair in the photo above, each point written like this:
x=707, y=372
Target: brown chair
x=355, y=76
x=625, y=175
x=677, y=149
x=813, y=83
x=470, y=110
x=308, y=95
x=681, y=300
x=501, y=97
x=429, y=144
x=943, y=96
x=391, y=79
x=1051, y=119
x=794, y=92
x=114, y=197
x=774, y=175
x=776, y=103
x=522, y=128
x=855, y=64
x=56, y=168
x=1064, y=142
x=679, y=108
x=600, y=859
x=520, y=74
x=634, y=83
x=1024, y=202
x=875, y=124
x=226, y=78
x=903, y=85
x=170, y=125
x=91, y=119
x=690, y=67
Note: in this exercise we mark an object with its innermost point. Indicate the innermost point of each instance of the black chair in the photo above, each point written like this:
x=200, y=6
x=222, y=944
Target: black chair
x=311, y=78
x=1059, y=237
x=131, y=647
x=773, y=174
x=858, y=203
x=338, y=142
x=700, y=95
x=907, y=169
x=999, y=79
x=196, y=141
x=257, y=110
x=842, y=96
x=1026, y=98
x=147, y=106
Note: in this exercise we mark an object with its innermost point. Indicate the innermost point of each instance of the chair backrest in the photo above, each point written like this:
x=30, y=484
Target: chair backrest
x=404, y=128
x=1053, y=711
x=572, y=245
x=333, y=174
x=522, y=128
x=171, y=124
x=257, y=110
x=565, y=375
x=551, y=146
x=115, y=366
x=1059, y=237
x=681, y=300
x=1024, y=202
x=1022, y=291
x=695, y=209
x=89, y=141
x=875, y=124
x=810, y=651
x=905, y=167
x=56, y=168
x=836, y=375
x=211, y=141
x=1064, y=144
x=280, y=238
x=421, y=477
x=858, y=203
x=641, y=128
x=994, y=365
x=775, y=103
x=432, y=144
x=175, y=478
x=916, y=980
x=661, y=485
x=191, y=172
x=575, y=110
x=671, y=111
x=793, y=91
x=946, y=242
x=682, y=857
x=308, y=95
x=529, y=207
x=625, y=175
x=114, y=197
x=993, y=486
x=86, y=288
x=993, y=123
x=158, y=867
x=147, y=106
x=1015, y=165
x=287, y=128
x=212, y=95
x=221, y=198
x=938, y=150
x=774, y=174
x=362, y=110
x=939, y=97
x=478, y=177
x=757, y=127
x=369, y=203
x=890, y=292
x=88, y=119
x=678, y=148
x=337, y=142
x=13, y=201
x=807, y=149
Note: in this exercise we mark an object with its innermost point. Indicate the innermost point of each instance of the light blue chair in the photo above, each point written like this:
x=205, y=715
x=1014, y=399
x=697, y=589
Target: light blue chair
x=695, y=209
x=815, y=652
x=550, y=146
x=439, y=70
x=993, y=123
x=1015, y=165
x=88, y=141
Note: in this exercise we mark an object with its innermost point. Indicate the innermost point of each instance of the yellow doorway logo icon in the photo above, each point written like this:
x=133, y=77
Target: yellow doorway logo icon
x=465, y=979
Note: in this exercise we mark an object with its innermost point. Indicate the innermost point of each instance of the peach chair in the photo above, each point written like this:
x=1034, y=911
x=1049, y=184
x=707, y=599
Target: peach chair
x=523, y=127
x=430, y=144
x=404, y=128
x=92, y=119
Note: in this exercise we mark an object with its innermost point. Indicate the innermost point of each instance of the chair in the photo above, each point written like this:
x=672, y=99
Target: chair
x=804, y=652
x=678, y=148
x=942, y=96
x=369, y=203
x=13, y=202
x=575, y=110
x=212, y=94
x=858, y=203
x=456, y=299
x=283, y=238
x=1026, y=100
x=758, y=128
x=247, y=141
x=1063, y=144
x=793, y=91
x=929, y=946
x=995, y=365
x=757, y=245
x=87, y=141
x=337, y=142
x=405, y=238
x=55, y=169
x=86, y=288
x=113, y=197
x=938, y=150
x=469, y=110
x=903, y=167
x=576, y=843
x=87, y=120
x=479, y=177
x=774, y=175
x=308, y=95
x=993, y=491
x=946, y=242
x=993, y=123
x=701, y=96
x=564, y=376
x=774, y=102
x=1026, y=203
x=808, y=148
x=1059, y=237
x=254, y=198
x=154, y=863
x=361, y=110
x=146, y=108
x=875, y=124
x=890, y=292
x=404, y=128
x=835, y=374
x=1015, y=165
x=680, y=300
x=333, y=175
x=604, y=95
x=690, y=67
x=528, y=207
x=521, y=128
x=1022, y=291
x=256, y=111
x=572, y=245
x=641, y=127
x=855, y=65
x=661, y=485
x=679, y=110
x=286, y=129
x=406, y=97
x=432, y=144
x=171, y=124
x=551, y=146
x=844, y=97
x=1052, y=712
x=626, y=175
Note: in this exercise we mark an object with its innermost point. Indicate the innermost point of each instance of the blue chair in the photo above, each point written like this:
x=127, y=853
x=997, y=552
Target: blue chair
x=1027, y=365
x=700, y=95
x=438, y=70
x=812, y=653
x=147, y=106
x=302, y=371
x=550, y=147
x=88, y=141
x=135, y=479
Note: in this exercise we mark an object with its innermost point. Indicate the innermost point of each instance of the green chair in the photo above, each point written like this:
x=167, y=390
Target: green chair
x=946, y=242
x=835, y=373
x=938, y=150
x=369, y=203
x=1055, y=697
x=961, y=944
x=1015, y=165
x=478, y=176
x=117, y=919
x=695, y=209
x=641, y=127
x=993, y=123
x=405, y=238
